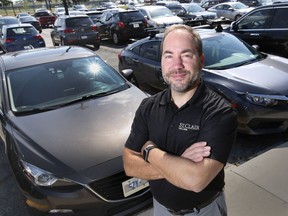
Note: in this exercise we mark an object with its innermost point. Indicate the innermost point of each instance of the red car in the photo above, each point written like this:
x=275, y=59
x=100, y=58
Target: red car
x=45, y=18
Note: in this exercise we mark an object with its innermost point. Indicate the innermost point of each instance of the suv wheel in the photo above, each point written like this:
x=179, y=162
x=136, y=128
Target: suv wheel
x=115, y=38
x=62, y=43
x=96, y=45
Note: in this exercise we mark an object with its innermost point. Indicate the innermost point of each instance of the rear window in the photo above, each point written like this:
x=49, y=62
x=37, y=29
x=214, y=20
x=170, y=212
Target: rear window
x=79, y=22
x=42, y=14
x=134, y=15
x=21, y=31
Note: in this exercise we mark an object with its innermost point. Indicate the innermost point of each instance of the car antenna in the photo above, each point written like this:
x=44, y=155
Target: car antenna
x=218, y=28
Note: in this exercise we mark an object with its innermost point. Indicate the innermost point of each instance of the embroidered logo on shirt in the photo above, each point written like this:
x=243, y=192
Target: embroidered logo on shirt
x=186, y=127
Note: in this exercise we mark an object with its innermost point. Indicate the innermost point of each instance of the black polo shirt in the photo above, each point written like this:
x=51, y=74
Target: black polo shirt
x=205, y=117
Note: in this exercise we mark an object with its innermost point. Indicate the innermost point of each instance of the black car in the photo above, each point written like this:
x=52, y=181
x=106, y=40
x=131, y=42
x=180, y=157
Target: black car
x=94, y=15
x=8, y=20
x=75, y=30
x=194, y=15
x=265, y=26
x=254, y=83
x=122, y=25
x=32, y=20
x=65, y=117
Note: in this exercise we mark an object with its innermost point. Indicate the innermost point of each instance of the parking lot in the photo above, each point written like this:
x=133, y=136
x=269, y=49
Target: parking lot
x=246, y=148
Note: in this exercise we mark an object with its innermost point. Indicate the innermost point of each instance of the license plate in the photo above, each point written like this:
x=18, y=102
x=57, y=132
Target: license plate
x=133, y=185
x=84, y=37
x=135, y=25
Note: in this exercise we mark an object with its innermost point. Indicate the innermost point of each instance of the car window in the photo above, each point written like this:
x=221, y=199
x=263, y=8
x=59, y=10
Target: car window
x=280, y=19
x=78, y=22
x=21, y=31
x=258, y=20
x=150, y=51
x=130, y=16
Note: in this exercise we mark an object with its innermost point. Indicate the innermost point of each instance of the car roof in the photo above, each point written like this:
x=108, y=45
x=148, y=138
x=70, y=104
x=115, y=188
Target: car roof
x=17, y=25
x=26, y=58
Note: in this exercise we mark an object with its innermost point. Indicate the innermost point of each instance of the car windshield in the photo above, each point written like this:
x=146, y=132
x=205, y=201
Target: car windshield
x=49, y=86
x=193, y=8
x=239, y=5
x=226, y=51
x=161, y=12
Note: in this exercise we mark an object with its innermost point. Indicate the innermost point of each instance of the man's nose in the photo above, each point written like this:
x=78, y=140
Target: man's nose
x=178, y=62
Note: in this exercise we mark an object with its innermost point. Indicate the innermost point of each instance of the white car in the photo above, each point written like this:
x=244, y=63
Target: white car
x=159, y=17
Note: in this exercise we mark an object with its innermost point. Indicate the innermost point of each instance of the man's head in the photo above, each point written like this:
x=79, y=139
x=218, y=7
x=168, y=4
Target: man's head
x=182, y=57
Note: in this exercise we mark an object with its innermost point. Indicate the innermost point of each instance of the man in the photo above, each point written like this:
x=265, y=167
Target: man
x=181, y=138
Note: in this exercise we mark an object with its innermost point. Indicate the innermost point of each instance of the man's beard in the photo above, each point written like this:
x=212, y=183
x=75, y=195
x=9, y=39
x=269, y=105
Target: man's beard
x=183, y=87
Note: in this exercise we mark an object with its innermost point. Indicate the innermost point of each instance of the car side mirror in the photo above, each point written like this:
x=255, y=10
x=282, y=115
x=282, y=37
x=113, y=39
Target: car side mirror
x=234, y=26
x=127, y=73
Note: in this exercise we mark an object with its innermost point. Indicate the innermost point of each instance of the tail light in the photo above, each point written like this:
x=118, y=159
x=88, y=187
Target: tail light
x=37, y=37
x=94, y=28
x=121, y=25
x=146, y=23
x=69, y=31
x=120, y=56
x=10, y=40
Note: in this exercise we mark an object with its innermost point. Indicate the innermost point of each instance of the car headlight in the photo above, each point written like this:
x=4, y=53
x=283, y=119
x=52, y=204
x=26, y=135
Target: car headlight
x=265, y=100
x=39, y=176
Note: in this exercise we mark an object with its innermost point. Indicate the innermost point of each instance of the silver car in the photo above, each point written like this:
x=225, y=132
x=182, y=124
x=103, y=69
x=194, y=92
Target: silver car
x=230, y=10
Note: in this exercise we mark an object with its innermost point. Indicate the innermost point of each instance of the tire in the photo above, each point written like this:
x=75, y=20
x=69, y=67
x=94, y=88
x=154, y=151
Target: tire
x=53, y=42
x=96, y=45
x=116, y=38
x=62, y=43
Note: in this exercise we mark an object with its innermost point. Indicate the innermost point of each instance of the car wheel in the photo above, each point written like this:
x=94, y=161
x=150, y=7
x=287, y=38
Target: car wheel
x=237, y=17
x=53, y=42
x=96, y=45
x=62, y=43
x=115, y=38
x=134, y=81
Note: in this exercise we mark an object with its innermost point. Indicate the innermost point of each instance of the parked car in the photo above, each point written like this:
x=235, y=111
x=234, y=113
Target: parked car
x=75, y=30
x=194, y=15
x=122, y=25
x=32, y=20
x=265, y=26
x=159, y=17
x=65, y=116
x=20, y=37
x=18, y=15
x=79, y=8
x=230, y=10
x=59, y=11
x=254, y=83
x=8, y=20
x=94, y=15
x=45, y=18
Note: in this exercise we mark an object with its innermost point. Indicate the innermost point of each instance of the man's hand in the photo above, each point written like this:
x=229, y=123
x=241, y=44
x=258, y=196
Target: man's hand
x=197, y=152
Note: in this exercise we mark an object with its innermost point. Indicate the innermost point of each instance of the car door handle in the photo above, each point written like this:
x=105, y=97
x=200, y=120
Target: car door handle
x=135, y=60
x=254, y=34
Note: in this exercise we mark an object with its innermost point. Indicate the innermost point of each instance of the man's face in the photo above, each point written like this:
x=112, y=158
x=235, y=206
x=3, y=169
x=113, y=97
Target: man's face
x=180, y=62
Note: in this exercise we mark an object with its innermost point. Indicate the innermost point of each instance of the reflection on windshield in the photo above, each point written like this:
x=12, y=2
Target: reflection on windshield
x=61, y=82
x=226, y=51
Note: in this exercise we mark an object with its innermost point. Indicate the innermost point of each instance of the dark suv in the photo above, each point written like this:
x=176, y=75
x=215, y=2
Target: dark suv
x=265, y=26
x=122, y=25
x=75, y=30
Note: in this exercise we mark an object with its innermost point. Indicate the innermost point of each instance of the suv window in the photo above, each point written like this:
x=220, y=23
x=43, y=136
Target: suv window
x=127, y=16
x=42, y=14
x=257, y=20
x=280, y=19
x=78, y=22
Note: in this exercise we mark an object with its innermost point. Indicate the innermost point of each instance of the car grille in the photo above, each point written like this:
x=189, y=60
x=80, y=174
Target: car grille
x=110, y=188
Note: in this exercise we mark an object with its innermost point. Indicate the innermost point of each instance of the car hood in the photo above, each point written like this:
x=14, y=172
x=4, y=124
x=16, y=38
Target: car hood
x=267, y=76
x=168, y=20
x=79, y=136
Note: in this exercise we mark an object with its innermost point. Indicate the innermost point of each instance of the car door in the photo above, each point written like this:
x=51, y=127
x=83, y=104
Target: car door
x=58, y=28
x=254, y=28
x=103, y=25
x=147, y=67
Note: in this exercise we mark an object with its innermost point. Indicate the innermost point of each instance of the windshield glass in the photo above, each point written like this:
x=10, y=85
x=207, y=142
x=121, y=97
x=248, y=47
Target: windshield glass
x=226, y=51
x=61, y=82
x=161, y=12
x=194, y=8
